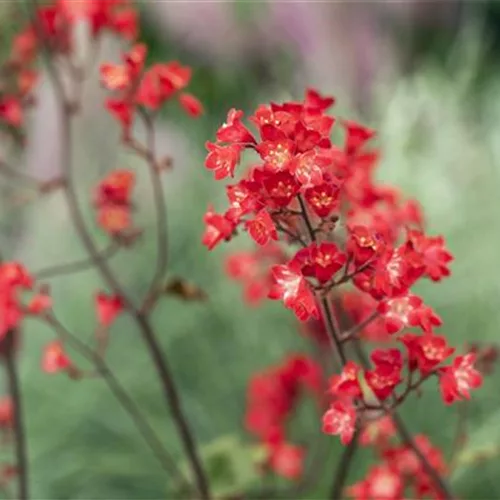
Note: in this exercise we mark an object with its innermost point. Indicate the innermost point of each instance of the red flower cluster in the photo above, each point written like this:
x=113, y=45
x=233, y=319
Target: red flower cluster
x=53, y=29
x=271, y=398
x=134, y=87
x=112, y=200
x=350, y=230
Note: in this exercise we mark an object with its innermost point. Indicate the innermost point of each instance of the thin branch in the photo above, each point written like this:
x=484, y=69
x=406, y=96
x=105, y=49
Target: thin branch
x=460, y=435
x=170, y=391
x=18, y=174
x=120, y=393
x=19, y=432
x=160, y=207
x=172, y=397
x=76, y=266
x=344, y=465
x=358, y=328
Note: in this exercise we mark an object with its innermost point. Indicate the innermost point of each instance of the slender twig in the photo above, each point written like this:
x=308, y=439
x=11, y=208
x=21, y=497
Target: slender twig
x=170, y=391
x=460, y=435
x=19, y=174
x=172, y=397
x=160, y=207
x=120, y=393
x=76, y=266
x=19, y=431
x=343, y=467
x=359, y=327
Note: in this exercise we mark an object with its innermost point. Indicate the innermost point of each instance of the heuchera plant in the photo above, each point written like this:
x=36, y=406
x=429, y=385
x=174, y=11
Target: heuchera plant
x=338, y=249
x=343, y=252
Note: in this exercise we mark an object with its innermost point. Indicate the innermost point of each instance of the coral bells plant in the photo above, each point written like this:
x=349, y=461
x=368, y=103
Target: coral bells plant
x=343, y=253
x=339, y=250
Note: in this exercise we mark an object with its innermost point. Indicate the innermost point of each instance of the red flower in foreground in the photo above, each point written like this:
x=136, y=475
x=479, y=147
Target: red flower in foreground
x=291, y=287
x=456, y=381
x=261, y=228
x=407, y=311
x=340, y=419
x=217, y=228
x=108, y=307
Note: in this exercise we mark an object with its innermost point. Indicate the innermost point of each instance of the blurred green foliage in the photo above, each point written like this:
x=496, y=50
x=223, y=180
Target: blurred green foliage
x=439, y=135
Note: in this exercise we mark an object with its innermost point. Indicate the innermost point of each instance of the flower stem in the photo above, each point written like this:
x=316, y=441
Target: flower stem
x=19, y=432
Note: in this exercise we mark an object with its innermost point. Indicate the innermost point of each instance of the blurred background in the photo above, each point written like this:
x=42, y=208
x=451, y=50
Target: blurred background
x=425, y=74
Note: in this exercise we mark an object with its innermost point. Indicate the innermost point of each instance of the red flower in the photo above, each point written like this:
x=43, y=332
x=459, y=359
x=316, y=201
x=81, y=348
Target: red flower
x=40, y=303
x=280, y=186
x=242, y=199
x=357, y=136
x=323, y=198
x=287, y=460
x=24, y=46
x=314, y=100
x=222, y=159
x=340, y=419
x=347, y=383
x=435, y=257
x=116, y=188
x=394, y=273
x=54, y=358
x=364, y=244
x=381, y=483
x=126, y=23
x=407, y=311
x=114, y=219
x=325, y=260
x=426, y=351
x=6, y=412
x=277, y=154
x=308, y=168
x=191, y=104
x=262, y=229
x=11, y=111
x=290, y=286
x=387, y=373
x=457, y=380
x=108, y=308
x=160, y=82
x=217, y=228
x=123, y=111
x=377, y=432
x=233, y=131
x=115, y=76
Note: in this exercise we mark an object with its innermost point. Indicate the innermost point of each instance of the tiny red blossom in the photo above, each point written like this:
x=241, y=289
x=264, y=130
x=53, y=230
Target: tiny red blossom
x=54, y=358
x=340, y=419
x=191, y=104
x=457, y=380
x=287, y=460
x=217, y=228
x=261, y=228
x=292, y=288
x=108, y=308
